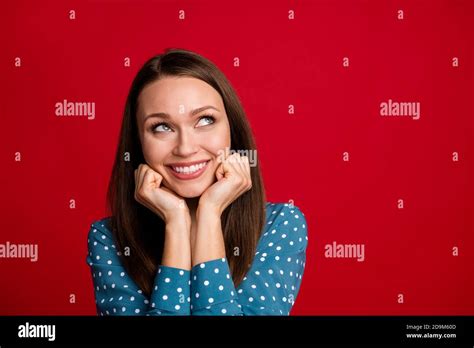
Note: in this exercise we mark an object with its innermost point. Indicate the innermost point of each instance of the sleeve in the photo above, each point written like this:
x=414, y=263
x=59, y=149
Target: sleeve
x=273, y=281
x=117, y=294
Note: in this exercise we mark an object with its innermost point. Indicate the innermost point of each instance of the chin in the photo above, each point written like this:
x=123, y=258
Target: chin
x=190, y=192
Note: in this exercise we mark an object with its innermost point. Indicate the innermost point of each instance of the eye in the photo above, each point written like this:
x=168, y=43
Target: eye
x=206, y=120
x=160, y=127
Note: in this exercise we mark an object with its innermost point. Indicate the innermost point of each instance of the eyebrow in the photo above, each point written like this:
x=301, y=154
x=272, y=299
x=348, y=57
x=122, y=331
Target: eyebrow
x=192, y=113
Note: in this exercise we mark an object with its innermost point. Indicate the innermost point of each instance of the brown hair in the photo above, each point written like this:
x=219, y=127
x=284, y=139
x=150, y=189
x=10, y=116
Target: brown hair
x=142, y=231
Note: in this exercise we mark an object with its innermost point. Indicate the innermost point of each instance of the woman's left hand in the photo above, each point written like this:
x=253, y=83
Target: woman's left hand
x=233, y=180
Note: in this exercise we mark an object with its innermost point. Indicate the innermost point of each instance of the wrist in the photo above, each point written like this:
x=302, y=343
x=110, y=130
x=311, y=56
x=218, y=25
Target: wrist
x=178, y=226
x=208, y=211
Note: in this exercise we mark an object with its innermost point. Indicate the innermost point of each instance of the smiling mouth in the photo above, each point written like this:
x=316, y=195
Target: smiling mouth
x=188, y=171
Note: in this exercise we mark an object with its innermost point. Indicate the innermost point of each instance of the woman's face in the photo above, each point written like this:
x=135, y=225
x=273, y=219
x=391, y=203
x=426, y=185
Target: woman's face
x=183, y=128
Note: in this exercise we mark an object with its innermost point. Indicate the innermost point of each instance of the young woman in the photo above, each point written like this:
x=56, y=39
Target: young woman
x=190, y=231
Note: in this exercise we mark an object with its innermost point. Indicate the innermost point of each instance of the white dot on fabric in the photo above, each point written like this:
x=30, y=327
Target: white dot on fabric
x=177, y=307
x=165, y=297
x=137, y=310
x=181, y=272
x=197, y=295
x=109, y=262
x=216, y=270
x=250, y=299
x=206, y=282
x=224, y=311
x=211, y=300
x=179, y=289
x=202, y=265
x=167, y=280
x=132, y=298
x=221, y=287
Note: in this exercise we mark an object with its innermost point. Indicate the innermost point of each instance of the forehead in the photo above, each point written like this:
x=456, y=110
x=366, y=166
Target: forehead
x=169, y=93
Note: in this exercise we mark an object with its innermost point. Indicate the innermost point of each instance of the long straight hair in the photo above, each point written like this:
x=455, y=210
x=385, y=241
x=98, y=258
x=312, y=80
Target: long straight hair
x=138, y=232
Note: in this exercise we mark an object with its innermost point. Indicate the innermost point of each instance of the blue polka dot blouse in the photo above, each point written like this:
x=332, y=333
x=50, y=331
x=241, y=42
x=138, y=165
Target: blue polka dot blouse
x=270, y=286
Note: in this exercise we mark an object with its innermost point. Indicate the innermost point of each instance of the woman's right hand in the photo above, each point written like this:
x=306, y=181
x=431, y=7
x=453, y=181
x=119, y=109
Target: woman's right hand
x=162, y=201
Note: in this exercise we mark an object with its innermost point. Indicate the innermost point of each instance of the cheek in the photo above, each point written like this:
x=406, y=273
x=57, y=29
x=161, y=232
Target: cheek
x=218, y=140
x=154, y=152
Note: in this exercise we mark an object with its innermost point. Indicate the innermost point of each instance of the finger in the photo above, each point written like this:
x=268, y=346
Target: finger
x=242, y=161
x=246, y=164
x=141, y=174
x=152, y=179
x=235, y=162
x=221, y=171
x=135, y=172
x=242, y=166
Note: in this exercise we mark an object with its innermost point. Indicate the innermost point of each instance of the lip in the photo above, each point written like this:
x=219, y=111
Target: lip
x=184, y=176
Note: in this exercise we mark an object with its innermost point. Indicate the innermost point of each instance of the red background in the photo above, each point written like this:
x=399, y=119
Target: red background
x=407, y=251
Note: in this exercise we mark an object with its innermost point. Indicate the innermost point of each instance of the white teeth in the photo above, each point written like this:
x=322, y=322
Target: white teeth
x=191, y=169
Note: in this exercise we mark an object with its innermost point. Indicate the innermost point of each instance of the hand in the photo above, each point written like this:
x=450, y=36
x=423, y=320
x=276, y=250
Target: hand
x=233, y=180
x=162, y=201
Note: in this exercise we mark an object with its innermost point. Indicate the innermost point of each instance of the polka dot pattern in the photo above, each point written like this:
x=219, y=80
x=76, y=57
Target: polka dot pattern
x=270, y=286
x=211, y=286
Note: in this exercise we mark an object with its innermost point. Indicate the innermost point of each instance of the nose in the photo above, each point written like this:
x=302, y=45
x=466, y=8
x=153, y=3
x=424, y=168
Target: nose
x=186, y=145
